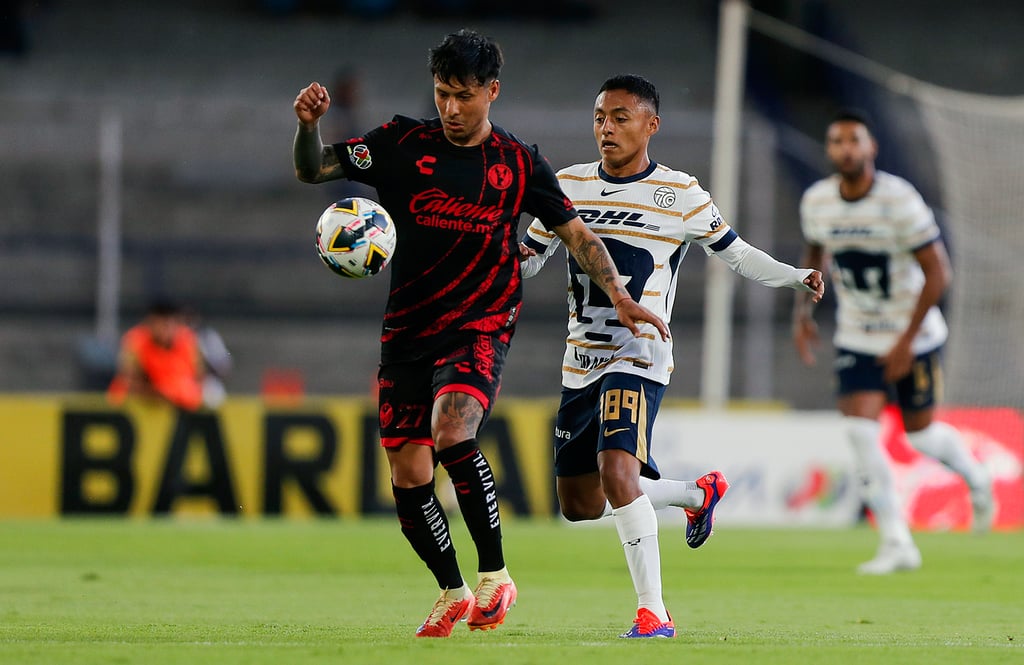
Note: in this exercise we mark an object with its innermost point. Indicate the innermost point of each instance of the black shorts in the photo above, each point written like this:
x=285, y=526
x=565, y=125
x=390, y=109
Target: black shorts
x=921, y=389
x=472, y=364
x=617, y=411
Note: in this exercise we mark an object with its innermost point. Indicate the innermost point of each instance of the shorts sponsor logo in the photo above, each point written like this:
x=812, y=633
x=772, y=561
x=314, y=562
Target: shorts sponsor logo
x=845, y=361
x=483, y=353
x=387, y=414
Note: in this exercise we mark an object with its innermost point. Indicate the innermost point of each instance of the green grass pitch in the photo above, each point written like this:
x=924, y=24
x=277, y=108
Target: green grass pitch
x=351, y=592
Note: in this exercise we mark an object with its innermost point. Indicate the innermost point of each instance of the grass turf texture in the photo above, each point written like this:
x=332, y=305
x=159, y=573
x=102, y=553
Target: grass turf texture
x=352, y=592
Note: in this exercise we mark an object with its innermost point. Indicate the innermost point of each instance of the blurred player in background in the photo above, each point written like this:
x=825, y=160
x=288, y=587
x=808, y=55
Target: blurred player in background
x=891, y=271
x=648, y=215
x=455, y=186
x=160, y=359
x=216, y=357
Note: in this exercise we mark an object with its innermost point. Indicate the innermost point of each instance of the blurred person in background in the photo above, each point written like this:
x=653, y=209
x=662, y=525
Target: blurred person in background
x=648, y=215
x=346, y=119
x=217, y=359
x=160, y=359
x=455, y=186
x=891, y=271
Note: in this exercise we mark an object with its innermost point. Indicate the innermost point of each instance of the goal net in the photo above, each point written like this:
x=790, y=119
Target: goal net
x=980, y=146
x=974, y=146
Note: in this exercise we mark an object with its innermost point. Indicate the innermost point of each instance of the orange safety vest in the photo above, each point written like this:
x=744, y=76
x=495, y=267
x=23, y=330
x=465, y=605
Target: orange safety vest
x=174, y=372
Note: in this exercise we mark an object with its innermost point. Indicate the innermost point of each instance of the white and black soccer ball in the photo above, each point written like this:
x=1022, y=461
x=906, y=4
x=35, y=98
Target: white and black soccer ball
x=355, y=237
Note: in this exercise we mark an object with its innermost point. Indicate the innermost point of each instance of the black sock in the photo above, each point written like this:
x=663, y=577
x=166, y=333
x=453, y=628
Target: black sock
x=478, y=498
x=425, y=526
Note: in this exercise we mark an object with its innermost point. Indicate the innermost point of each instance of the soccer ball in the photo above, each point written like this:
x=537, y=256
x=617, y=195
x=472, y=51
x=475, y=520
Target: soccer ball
x=355, y=237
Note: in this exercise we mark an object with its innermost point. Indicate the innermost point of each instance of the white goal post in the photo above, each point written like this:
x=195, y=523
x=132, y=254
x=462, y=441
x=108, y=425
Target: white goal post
x=725, y=168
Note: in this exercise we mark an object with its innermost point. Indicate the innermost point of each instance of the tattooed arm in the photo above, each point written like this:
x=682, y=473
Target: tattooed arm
x=314, y=162
x=593, y=257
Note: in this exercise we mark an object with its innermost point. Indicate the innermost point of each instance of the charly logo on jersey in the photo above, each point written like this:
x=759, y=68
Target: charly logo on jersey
x=499, y=176
x=425, y=164
x=359, y=155
x=664, y=197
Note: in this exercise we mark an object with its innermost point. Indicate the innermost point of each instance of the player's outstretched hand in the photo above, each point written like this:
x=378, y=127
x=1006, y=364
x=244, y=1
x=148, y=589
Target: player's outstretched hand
x=630, y=313
x=816, y=283
x=526, y=252
x=311, y=103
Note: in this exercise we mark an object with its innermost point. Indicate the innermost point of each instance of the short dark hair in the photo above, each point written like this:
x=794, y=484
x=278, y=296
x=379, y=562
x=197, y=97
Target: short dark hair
x=634, y=85
x=466, y=57
x=851, y=114
x=163, y=306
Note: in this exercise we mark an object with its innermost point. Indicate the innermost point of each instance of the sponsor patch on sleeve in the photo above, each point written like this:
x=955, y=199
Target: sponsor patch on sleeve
x=359, y=155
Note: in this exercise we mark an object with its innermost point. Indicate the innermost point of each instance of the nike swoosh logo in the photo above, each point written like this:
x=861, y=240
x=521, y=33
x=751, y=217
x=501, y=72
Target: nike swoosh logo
x=609, y=432
x=614, y=191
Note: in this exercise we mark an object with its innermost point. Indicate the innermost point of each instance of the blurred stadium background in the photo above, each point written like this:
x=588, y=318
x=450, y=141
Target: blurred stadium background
x=198, y=96
x=171, y=122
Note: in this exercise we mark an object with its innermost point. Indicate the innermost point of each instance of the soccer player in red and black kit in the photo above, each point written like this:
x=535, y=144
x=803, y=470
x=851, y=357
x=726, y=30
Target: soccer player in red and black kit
x=455, y=186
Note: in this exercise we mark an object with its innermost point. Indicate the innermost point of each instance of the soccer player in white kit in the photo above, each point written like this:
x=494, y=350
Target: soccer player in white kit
x=891, y=269
x=647, y=215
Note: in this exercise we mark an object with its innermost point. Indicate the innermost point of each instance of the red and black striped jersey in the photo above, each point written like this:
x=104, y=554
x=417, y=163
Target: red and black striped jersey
x=456, y=211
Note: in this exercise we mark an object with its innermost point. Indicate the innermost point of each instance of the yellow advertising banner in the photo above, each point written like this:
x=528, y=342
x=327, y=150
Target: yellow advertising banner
x=75, y=455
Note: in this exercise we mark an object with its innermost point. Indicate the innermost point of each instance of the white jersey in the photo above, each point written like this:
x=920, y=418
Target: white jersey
x=877, y=278
x=647, y=222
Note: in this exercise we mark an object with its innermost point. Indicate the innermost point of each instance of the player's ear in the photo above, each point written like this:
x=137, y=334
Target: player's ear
x=653, y=125
x=493, y=89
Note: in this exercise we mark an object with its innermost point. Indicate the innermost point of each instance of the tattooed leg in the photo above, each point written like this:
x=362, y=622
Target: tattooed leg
x=455, y=418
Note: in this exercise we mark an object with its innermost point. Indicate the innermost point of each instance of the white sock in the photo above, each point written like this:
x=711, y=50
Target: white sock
x=678, y=493
x=877, y=487
x=666, y=492
x=943, y=442
x=637, y=525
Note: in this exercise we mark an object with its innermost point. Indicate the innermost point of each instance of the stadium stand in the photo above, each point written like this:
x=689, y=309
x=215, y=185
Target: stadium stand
x=213, y=214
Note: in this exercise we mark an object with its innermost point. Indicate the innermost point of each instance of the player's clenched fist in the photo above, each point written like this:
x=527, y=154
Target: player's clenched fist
x=312, y=102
